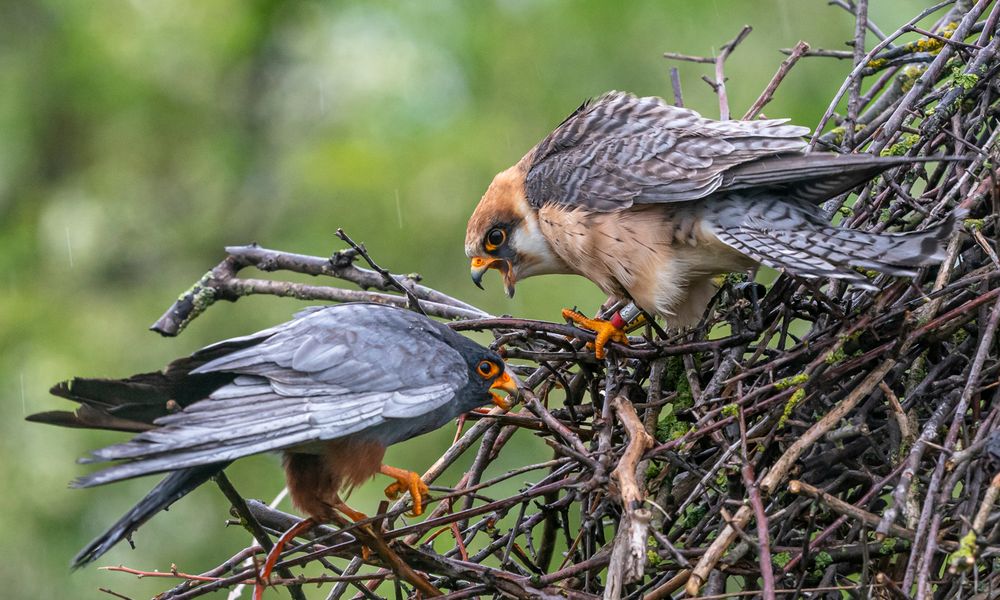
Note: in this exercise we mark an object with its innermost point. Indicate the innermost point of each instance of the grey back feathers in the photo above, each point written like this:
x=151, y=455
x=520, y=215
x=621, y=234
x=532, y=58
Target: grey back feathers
x=386, y=373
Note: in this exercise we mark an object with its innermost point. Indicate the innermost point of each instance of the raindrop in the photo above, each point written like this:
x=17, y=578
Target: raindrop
x=399, y=210
x=69, y=248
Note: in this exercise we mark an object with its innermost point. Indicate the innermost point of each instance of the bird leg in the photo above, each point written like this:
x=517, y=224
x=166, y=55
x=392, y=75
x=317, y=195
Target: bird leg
x=459, y=425
x=272, y=557
x=406, y=481
x=607, y=331
x=294, y=531
x=349, y=512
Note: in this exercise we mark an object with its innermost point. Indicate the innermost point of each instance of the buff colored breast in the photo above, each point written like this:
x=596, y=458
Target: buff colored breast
x=662, y=257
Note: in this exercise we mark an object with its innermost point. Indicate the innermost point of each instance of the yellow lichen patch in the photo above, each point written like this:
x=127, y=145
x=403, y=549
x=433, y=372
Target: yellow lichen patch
x=929, y=44
x=797, y=397
x=787, y=382
x=964, y=558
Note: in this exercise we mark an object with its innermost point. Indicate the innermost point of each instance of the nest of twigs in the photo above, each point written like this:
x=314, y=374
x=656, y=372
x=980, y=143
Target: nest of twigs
x=832, y=441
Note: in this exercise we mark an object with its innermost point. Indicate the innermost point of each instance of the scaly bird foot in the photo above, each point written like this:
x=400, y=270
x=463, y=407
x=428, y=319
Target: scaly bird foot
x=264, y=576
x=406, y=481
x=355, y=516
x=349, y=512
x=605, y=330
x=498, y=401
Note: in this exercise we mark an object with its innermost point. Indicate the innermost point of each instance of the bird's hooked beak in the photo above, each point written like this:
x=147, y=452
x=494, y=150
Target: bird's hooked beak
x=480, y=265
x=506, y=382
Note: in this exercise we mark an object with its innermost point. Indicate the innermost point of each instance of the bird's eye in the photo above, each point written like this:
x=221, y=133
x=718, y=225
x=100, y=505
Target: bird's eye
x=495, y=238
x=487, y=369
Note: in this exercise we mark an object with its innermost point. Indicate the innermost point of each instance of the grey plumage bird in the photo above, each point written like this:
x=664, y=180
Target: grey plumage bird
x=331, y=389
x=651, y=201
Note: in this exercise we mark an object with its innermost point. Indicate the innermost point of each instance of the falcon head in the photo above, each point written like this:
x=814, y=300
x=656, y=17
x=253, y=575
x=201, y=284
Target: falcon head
x=503, y=233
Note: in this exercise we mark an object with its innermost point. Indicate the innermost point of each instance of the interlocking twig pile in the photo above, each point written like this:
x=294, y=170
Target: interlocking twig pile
x=832, y=440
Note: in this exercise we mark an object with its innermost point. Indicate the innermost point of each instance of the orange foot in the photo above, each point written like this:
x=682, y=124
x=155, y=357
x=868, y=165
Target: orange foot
x=349, y=512
x=272, y=557
x=606, y=331
x=406, y=481
x=355, y=516
x=264, y=576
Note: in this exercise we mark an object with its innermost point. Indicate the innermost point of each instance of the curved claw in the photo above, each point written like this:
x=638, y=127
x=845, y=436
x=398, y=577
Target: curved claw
x=406, y=481
x=264, y=576
x=605, y=330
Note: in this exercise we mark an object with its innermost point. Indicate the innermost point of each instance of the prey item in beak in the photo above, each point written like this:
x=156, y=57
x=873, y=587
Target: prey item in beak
x=507, y=383
x=480, y=265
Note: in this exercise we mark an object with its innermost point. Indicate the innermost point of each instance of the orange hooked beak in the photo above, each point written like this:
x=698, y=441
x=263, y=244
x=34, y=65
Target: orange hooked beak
x=507, y=383
x=482, y=264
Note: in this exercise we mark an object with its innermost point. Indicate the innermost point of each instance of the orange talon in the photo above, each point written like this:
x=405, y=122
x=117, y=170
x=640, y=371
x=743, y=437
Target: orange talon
x=350, y=513
x=406, y=481
x=355, y=516
x=505, y=383
x=605, y=330
x=264, y=576
x=497, y=400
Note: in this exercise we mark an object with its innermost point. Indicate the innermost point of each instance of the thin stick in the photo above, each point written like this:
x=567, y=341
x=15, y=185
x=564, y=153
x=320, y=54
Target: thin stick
x=772, y=86
x=720, y=77
x=763, y=536
x=675, y=85
x=387, y=277
x=854, y=96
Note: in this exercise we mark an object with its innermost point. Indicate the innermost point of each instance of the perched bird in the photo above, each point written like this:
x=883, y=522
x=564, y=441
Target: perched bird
x=331, y=388
x=651, y=202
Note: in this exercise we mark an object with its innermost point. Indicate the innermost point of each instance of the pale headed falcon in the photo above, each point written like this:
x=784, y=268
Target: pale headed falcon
x=651, y=202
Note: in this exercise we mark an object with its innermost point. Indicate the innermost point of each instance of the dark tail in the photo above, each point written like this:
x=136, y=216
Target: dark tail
x=816, y=176
x=173, y=487
x=133, y=404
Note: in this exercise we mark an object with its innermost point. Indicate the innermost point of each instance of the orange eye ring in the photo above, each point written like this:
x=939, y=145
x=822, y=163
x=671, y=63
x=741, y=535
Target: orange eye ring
x=495, y=238
x=487, y=369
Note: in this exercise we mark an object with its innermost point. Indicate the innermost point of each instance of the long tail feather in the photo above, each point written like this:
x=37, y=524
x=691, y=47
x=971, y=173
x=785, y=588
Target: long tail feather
x=791, y=237
x=173, y=487
x=816, y=176
x=132, y=404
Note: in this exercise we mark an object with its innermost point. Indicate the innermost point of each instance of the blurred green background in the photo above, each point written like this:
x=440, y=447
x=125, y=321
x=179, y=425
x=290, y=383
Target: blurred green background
x=139, y=138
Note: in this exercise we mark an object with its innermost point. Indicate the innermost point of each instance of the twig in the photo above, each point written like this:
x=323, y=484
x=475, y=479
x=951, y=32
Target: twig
x=859, y=67
x=675, y=85
x=172, y=573
x=388, y=278
x=820, y=52
x=753, y=491
x=628, y=557
x=839, y=506
x=854, y=94
x=786, y=65
x=720, y=77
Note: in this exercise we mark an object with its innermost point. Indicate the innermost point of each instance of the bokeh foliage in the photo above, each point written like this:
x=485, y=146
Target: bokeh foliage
x=139, y=138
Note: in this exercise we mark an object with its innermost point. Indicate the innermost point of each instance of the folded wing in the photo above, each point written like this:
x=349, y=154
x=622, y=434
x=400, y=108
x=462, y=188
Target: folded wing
x=619, y=150
x=326, y=374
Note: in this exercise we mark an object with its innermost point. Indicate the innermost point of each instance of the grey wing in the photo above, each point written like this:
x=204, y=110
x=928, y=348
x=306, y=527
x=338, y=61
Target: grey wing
x=619, y=150
x=327, y=374
x=812, y=177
